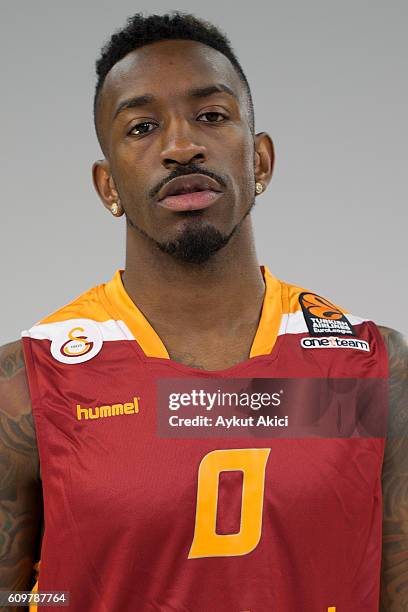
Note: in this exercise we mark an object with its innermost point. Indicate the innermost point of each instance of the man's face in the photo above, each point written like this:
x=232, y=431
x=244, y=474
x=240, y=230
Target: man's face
x=179, y=108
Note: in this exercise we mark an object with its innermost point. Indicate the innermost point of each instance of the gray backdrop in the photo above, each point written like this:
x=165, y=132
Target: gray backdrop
x=329, y=82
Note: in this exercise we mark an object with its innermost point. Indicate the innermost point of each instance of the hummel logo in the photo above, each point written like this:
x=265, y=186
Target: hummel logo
x=100, y=412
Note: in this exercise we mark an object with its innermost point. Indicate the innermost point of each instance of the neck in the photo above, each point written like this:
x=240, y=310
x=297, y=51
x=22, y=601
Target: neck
x=220, y=295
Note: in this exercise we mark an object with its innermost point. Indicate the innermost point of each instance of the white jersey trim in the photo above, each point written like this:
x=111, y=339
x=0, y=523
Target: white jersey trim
x=110, y=330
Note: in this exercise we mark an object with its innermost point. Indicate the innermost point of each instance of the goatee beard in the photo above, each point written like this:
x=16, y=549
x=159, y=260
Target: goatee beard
x=197, y=243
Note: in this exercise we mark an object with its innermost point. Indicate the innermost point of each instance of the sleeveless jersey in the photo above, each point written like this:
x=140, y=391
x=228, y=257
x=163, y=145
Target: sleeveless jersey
x=137, y=520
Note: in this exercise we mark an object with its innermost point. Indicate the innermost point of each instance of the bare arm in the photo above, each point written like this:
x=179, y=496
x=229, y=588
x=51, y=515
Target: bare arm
x=20, y=484
x=394, y=573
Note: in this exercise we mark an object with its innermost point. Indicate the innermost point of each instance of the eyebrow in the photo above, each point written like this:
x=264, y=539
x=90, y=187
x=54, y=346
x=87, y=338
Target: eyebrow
x=196, y=92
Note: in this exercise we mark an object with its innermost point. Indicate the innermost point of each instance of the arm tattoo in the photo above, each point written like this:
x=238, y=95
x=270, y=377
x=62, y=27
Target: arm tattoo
x=394, y=571
x=20, y=490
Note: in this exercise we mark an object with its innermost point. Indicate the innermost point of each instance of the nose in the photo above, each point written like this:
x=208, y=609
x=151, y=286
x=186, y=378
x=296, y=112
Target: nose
x=180, y=147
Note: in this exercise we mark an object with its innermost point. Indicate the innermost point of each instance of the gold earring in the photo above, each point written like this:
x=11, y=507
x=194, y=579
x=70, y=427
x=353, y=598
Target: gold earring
x=116, y=209
x=258, y=188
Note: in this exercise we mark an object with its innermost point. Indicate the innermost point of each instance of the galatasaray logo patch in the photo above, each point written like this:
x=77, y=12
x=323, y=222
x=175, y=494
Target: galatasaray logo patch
x=76, y=341
x=324, y=318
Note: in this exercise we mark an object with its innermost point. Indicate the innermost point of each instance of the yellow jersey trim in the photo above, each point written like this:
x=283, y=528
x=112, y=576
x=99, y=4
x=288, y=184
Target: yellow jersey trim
x=152, y=345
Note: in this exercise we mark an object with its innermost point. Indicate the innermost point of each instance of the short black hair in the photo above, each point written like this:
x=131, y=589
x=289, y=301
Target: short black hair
x=175, y=25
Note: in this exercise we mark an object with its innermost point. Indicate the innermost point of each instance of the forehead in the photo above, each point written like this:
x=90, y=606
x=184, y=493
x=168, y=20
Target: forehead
x=166, y=69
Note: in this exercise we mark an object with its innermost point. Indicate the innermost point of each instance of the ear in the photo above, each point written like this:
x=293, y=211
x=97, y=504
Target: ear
x=264, y=158
x=104, y=183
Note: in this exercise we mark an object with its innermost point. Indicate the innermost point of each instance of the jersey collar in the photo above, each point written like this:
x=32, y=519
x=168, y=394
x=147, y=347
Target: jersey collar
x=152, y=345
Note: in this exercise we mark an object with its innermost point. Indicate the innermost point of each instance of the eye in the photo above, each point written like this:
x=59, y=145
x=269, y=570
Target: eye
x=213, y=117
x=142, y=128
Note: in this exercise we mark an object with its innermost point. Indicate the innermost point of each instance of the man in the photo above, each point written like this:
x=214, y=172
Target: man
x=135, y=520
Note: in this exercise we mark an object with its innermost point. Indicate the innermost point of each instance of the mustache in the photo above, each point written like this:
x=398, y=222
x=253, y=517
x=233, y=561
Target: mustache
x=184, y=171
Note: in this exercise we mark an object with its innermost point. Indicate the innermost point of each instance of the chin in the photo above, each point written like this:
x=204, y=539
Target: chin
x=195, y=245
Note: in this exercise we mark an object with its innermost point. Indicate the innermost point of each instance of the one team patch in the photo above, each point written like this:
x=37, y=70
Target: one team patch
x=334, y=342
x=324, y=318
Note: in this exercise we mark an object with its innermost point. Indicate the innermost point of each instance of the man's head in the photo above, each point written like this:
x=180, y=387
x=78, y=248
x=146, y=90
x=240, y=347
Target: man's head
x=172, y=101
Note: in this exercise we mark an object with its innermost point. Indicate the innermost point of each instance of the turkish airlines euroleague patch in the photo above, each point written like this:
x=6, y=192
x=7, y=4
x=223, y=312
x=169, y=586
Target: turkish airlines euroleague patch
x=324, y=318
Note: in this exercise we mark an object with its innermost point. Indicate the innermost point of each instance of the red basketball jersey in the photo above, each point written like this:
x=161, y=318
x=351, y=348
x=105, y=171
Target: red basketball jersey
x=135, y=520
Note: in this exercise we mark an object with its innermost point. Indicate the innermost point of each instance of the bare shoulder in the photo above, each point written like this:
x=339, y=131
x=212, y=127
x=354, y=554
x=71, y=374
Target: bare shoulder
x=17, y=431
x=394, y=587
x=20, y=486
x=397, y=347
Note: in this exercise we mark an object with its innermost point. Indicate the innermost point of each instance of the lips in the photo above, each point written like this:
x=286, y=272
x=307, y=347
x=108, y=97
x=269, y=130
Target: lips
x=188, y=184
